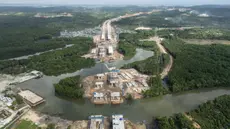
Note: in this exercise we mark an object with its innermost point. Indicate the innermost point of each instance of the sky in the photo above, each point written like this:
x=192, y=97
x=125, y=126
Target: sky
x=118, y=2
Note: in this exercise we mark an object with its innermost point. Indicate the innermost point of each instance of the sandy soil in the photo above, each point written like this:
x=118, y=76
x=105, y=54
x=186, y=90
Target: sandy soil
x=130, y=125
x=136, y=92
x=80, y=125
x=158, y=42
x=167, y=68
x=206, y=42
x=6, y=80
x=195, y=124
x=143, y=28
x=43, y=120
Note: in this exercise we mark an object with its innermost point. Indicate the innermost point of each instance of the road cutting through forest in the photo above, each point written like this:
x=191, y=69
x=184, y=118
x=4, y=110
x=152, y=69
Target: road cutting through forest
x=162, y=50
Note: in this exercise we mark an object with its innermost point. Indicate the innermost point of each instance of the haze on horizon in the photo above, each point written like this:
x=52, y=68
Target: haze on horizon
x=118, y=2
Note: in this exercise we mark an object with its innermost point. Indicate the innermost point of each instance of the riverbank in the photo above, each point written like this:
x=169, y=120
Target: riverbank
x=43, y=121
x=210, y=115
x=8, y=80
x=80, y=109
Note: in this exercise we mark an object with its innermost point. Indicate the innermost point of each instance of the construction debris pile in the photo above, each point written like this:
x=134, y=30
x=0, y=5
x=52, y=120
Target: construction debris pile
x=7, y=80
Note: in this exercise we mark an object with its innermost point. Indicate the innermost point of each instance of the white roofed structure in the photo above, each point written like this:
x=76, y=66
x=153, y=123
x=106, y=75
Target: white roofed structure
x=30, y=97
x=118, y=122
x=93, y=51
x=98, y=95
x=110, y=50
x=115, y=94
x=100, y=75
x=99, y=84
x=96, y=122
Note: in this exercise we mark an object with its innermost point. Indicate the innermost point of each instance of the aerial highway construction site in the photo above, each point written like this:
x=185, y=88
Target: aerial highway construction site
x=112, y=87
x=106, y=42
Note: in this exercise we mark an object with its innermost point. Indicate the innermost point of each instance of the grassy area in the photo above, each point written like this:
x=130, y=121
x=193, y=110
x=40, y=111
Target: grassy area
x=206, y=42
x=24, y=124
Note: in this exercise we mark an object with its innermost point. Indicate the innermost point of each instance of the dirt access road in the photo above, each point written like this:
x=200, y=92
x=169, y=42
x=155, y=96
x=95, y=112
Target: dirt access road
x=158, y=41
x=108, y=32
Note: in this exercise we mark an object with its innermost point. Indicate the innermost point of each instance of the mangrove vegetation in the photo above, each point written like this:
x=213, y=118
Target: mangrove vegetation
x=210, y=115
x=69, y=87
x=57, y=62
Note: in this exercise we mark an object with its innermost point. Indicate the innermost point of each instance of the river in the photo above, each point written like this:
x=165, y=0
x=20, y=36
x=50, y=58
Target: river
x=39, y=53
x=136, y=110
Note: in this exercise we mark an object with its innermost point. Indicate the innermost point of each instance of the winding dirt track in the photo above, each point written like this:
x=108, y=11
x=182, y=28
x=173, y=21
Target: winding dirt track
x=166, y=70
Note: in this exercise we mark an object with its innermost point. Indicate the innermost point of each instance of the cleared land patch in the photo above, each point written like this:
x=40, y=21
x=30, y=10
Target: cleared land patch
x=206, y=42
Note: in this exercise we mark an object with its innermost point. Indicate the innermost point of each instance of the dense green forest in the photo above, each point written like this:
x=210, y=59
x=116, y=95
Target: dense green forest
x=156, y=88
x=198, y=66
x=152, y=65
x=210, y=115
x=24, y=35
x=54, y=62
x=69, y=87
x=213, y=114
x=130, y=41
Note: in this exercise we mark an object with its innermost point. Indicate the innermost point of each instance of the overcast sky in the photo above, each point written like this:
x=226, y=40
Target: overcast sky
x=119, y=2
